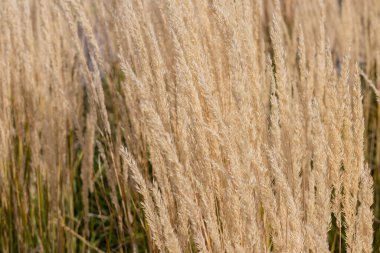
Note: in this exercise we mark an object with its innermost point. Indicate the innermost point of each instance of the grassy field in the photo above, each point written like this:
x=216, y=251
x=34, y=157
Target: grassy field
x=189, y=126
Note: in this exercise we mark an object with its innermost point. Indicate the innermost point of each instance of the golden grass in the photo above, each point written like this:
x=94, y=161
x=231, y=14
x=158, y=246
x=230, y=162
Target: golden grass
x=189, y=126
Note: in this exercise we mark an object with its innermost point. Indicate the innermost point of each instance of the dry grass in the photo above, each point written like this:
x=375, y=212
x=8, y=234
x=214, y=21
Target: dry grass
x=189, y=126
